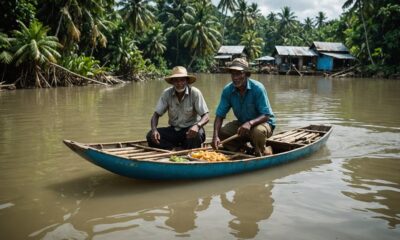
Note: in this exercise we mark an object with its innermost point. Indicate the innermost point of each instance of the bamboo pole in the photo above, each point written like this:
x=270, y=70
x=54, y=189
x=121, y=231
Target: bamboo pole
x=148, y=148
x=124, y=151
x=297, y=71
x=229, y=139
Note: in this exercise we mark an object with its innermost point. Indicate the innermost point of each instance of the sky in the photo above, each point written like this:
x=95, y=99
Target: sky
x=301, y=8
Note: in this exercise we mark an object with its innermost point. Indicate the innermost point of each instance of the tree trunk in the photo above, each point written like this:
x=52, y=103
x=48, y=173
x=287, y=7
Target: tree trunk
x=59, y=26
x=223, y=28
x=366, y=37
x=177, y=50
x=191, y=61
x=37, y=80
x=78, y=75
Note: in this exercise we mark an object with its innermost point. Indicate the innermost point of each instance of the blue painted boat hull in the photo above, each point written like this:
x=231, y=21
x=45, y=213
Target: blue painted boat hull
x=143, y=169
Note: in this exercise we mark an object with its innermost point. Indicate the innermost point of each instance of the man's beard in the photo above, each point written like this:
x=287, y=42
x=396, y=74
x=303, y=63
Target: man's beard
x=180, y=90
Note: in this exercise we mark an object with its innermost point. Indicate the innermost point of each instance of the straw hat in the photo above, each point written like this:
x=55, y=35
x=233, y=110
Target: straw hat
x=239, y=64
x=180, y=72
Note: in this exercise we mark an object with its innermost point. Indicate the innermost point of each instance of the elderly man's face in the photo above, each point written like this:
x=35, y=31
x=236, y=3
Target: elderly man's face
x=238, y=78
x=180, y=83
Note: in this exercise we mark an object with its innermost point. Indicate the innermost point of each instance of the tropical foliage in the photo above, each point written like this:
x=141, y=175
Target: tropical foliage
x=83, y=65
x=252, y=43
x=200, y=32
x=373, y=34
x=136, y=39
x=32, y=48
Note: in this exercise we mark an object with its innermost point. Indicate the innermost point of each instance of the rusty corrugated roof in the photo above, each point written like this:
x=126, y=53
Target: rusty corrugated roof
x=231, y=49
x=329, y=47
x=295, y=51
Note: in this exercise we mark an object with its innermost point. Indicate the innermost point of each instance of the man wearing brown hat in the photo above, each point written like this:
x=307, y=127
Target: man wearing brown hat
x=250, y=104
x=187, y=112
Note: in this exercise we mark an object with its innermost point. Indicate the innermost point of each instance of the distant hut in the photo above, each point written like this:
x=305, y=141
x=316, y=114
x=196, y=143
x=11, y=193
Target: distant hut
x=265, y=63
x=226, y=54
x=332, y=56
x=301, y=58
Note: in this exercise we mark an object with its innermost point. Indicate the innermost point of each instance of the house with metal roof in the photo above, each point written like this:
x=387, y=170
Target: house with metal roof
x=297, y=57
x=332, y=56
x=265, y=58
x=227, y=53
x=265, y=64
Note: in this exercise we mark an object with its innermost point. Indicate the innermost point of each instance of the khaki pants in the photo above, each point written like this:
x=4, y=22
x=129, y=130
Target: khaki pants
x=257, y=137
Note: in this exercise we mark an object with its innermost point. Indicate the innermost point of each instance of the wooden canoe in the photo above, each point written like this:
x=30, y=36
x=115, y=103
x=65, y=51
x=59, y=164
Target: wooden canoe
x=136, y=160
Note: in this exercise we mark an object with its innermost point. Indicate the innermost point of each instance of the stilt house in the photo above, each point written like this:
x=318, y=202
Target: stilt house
x=332, y=56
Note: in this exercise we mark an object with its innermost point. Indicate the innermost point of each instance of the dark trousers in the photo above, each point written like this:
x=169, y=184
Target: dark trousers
x=171, y=138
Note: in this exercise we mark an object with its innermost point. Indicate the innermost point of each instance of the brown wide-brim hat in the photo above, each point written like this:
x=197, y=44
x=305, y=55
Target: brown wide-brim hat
x=239, y=64
x=180, y=72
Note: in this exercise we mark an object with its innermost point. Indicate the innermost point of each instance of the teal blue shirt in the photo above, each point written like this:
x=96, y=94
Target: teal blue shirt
x=251, y=105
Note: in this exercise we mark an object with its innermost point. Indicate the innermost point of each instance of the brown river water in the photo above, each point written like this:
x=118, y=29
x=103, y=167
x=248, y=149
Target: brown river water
x=350, y=189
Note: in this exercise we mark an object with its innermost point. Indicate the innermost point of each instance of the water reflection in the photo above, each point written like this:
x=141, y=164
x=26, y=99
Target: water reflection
x=182, y=216
x=375, y=181
x=177, y=218
x=249, y=206
x=111, y=207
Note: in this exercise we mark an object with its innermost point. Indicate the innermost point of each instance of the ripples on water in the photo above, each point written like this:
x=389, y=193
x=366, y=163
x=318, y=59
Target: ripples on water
x=350, y=189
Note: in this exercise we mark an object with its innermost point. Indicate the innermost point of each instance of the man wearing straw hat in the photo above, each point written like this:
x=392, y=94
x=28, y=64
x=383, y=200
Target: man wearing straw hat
x=250, y=104
x=187, y=112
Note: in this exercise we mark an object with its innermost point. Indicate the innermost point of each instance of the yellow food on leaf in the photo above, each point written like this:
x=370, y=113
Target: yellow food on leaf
x=210, y=156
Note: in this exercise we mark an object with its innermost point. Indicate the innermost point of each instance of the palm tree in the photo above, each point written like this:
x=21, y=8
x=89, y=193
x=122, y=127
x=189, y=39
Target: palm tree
x=199, y=32
x=154, y=42
x=77, y=17
x=287, y=18
x=270, y=32
x=119, y=52
x=5, y=54
x=242, y=16
x=287, y=23
x=138, y=14
x=253, y=44
x=271, y=17
x=34, y=48
x=98, y=28
x=171, y=14
x=308, y=33
x=320, y=18
x=308, y=24
x=255, y=12
x=359, y=6
x=226, y=5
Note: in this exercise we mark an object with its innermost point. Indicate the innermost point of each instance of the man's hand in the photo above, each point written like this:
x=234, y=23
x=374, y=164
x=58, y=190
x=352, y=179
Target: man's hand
x=193, y=131
x=244, y=130
x=155, y=136
x=215, y=142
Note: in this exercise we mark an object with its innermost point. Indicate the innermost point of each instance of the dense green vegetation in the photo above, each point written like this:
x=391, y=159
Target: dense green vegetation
x=43, y=42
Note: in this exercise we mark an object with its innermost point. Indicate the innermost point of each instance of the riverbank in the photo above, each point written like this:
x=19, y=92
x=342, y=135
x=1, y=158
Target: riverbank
x=109, y=80
x=79, y=80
